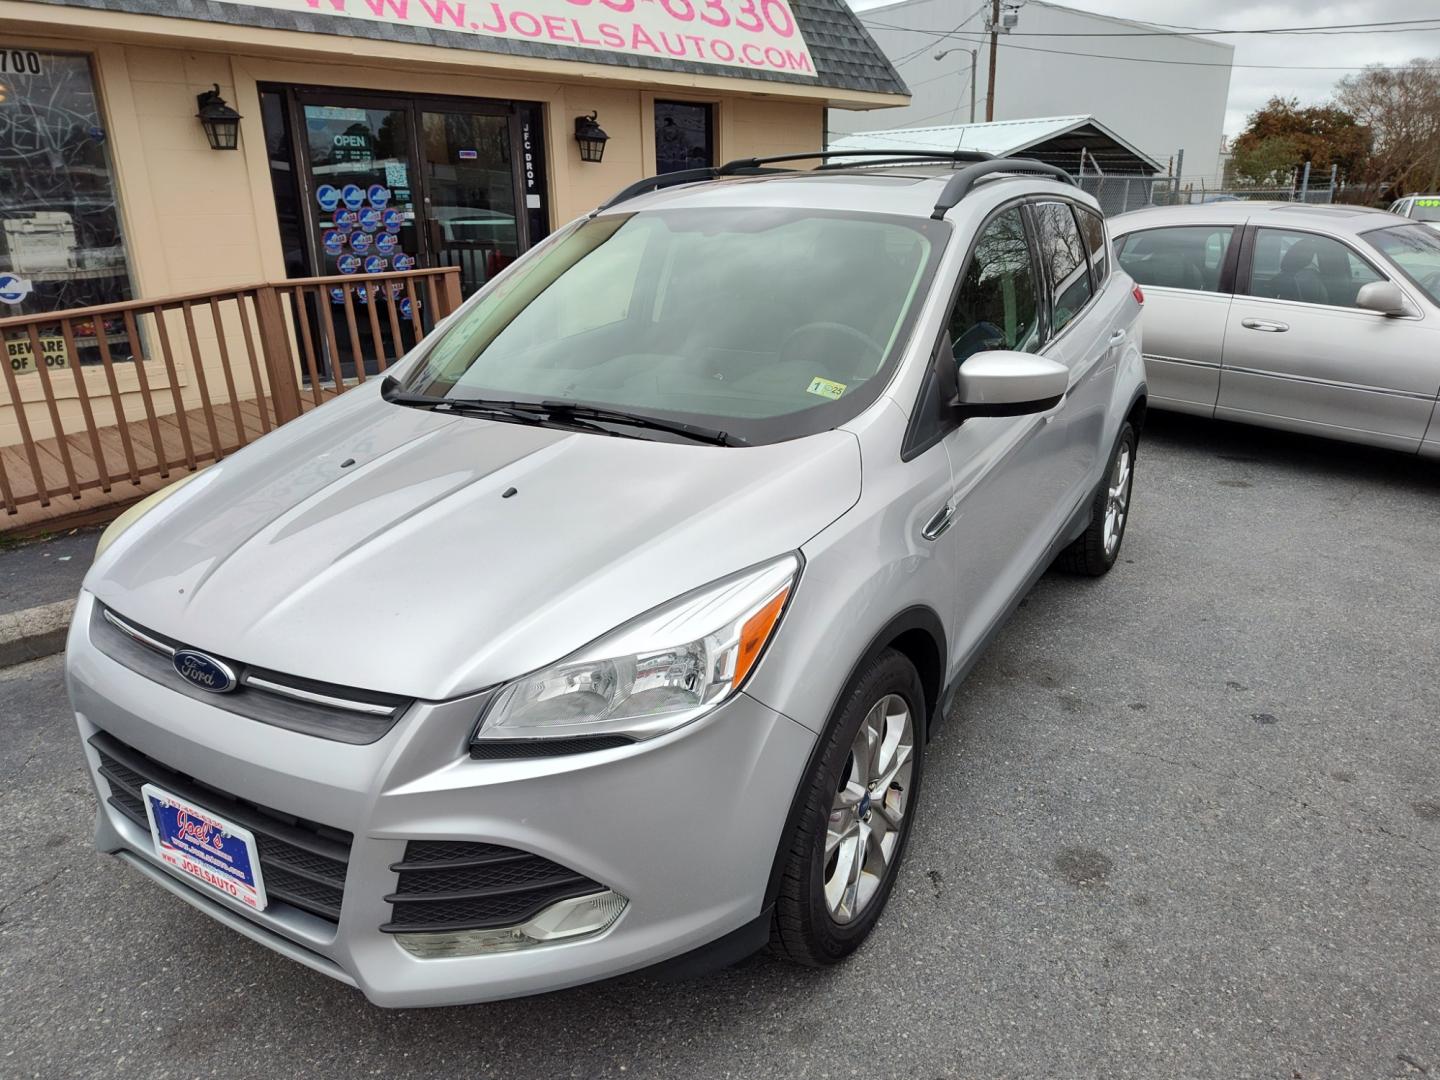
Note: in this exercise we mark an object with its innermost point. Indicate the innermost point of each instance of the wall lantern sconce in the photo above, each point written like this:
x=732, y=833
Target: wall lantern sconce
x=591, y=137
x=220, y=121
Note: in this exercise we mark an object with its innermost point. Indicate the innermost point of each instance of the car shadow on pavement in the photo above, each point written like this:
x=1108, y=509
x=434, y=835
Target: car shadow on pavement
x=1246, y=444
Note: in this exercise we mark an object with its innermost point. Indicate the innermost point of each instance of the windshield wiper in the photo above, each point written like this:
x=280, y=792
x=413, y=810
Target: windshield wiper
x=391, y=392
x=570, y=410
x=520, y=412
x=561, y=413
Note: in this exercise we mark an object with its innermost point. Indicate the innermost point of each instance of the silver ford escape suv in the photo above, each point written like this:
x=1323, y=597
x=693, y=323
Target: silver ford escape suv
x=608, y=631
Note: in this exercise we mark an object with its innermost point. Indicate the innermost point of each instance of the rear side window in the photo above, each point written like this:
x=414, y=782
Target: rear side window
x=1093, y=226
x=1307, y=268
x=1189, y=257
x=998, y=304
x=1062, y=253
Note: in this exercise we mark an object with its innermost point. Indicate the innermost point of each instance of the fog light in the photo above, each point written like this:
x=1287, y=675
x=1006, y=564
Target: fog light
x=565, y=919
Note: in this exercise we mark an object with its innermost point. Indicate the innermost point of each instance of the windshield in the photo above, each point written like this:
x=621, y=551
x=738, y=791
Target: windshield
x=1415, y=249
x=1427, y=209
x=770, y=323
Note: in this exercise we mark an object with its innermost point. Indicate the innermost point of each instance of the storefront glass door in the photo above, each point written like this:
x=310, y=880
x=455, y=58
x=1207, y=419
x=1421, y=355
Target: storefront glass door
x=364, y=204
x=394, y=182
x=470, y=183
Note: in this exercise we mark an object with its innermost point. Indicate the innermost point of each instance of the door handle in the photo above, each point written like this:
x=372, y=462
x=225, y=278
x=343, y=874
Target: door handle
x=1117, y=337
x=943, y=519
x=1267, y=327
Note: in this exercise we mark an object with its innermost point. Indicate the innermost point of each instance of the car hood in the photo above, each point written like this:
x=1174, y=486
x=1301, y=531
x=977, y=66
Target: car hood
x=375, y=546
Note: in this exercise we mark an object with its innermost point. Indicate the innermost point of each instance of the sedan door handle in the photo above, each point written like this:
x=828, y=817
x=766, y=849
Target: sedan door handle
x=943, y=519
x=1267, y=327
x=1117, y=337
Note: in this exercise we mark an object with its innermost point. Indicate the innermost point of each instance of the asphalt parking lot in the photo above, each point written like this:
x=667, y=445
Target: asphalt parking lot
x=1184, y=822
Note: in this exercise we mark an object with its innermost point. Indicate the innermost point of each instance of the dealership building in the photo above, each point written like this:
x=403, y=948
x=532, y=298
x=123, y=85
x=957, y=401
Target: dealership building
x=375, y=134
x=215, y=214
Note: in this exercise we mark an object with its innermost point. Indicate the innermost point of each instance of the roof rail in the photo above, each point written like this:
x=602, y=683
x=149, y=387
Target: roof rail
x=655, y=183
x=960, y=184
x=978, y=165
x=730, y=168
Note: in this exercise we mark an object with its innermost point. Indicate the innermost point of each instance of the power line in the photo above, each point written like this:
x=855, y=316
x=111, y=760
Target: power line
x=977, y=39
x=1336, y=28
x=937, y=37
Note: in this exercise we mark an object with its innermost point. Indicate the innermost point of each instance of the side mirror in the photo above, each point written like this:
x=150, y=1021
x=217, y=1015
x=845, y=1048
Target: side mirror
x=1009, y=384
x=1384, y=297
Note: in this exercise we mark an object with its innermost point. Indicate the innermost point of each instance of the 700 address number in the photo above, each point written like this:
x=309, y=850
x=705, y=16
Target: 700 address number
x=751, y=17
x=19, y=62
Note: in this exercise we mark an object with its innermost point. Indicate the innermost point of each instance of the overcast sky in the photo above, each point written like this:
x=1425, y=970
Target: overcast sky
x=1250, y=88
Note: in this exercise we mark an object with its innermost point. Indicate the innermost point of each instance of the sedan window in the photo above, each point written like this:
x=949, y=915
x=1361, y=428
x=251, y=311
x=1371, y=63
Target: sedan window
x=1189, y=257
x=1415, y=249
x=1062, y=252
x=1307, y=268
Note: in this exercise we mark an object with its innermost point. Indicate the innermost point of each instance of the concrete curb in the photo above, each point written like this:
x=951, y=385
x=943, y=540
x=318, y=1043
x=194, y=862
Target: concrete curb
x=34, y=632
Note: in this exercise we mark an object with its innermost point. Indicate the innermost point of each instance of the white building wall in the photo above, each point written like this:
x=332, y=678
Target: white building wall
x=1159, y=107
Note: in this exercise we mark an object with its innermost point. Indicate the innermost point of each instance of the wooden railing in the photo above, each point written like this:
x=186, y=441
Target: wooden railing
x=106, y=396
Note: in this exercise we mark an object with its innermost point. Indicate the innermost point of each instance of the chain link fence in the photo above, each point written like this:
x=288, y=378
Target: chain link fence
x=1118, y=193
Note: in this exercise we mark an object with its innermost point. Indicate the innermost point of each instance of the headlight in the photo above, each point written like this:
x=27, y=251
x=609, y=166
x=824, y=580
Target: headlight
x=140, y=509
x=664, y=669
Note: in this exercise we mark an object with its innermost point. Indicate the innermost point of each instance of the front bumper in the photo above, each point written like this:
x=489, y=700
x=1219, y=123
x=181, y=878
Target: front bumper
x=685, y=826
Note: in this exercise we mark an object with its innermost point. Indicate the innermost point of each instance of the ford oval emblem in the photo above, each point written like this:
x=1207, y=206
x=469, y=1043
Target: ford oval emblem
x=205, y=671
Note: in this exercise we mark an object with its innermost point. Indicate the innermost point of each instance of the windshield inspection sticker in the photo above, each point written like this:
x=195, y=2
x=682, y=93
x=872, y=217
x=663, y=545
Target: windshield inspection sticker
x=825, y=388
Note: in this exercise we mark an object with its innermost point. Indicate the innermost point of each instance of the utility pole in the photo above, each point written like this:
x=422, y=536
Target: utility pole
x=994, y=49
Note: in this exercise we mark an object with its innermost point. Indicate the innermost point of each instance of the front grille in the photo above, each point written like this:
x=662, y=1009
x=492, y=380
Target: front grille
x=303, y=863
x=339, y=713
x=456, y=885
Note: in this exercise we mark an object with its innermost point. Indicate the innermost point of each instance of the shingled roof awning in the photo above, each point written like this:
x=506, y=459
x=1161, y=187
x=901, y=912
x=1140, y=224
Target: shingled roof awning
x=844, y=54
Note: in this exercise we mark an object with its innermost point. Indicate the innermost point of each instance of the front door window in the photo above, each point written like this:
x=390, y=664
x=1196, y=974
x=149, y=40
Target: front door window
x=997, y=307
x=1307, y=268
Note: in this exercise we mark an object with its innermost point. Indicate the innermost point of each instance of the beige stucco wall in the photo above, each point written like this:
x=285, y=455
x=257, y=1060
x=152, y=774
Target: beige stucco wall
x=197, y=219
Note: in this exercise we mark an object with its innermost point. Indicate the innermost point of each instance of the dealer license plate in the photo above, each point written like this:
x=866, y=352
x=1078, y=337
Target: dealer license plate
x=212, y=852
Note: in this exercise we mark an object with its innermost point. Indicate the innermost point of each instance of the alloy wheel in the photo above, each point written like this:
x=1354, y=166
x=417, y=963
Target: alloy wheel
x=1117, y=502
x=867, y=815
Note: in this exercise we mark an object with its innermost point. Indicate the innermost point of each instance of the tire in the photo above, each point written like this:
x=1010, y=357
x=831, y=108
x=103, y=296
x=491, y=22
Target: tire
x=1095, y=550
x=809, y=926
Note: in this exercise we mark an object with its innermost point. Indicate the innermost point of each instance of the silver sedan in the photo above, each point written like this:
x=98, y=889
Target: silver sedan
x=1319, y=319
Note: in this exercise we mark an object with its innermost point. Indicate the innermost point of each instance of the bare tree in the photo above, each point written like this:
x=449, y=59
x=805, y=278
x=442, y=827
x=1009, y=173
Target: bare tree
x=1401, y=107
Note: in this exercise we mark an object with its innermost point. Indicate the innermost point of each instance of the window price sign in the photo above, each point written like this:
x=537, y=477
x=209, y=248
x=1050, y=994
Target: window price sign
x=758, y=34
